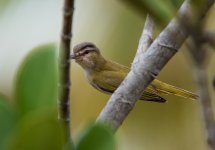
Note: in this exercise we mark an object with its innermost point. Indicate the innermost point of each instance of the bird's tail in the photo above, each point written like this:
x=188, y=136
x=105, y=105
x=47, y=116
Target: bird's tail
x=165, y=88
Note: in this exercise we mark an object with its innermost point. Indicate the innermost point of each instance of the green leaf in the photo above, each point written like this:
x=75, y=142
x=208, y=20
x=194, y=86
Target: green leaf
x=4, y=4
x=176, y=3
x=161, y=10
x=97, y=137
x=8, y=120
x=36, y=82
x=38, y=131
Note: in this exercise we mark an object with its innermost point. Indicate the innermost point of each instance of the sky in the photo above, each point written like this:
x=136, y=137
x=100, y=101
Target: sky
x=23, y=26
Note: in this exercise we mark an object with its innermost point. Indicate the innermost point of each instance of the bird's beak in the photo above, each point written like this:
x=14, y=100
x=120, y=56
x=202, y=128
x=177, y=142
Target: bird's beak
x=73, y=56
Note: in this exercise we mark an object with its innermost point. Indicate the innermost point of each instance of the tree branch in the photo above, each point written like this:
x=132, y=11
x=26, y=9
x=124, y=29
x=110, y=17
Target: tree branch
x=64, y=67
x=205, y=104
x=200, y=56
x=146, y=67
x=209, y=36
x=147, y=35
x=144, y=42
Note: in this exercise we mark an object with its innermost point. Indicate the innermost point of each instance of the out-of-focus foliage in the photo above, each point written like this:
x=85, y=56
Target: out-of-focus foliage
x=33, y=123
x=8, y=120
x=97, y=137
x=40, y=131
x=36, y=83
x=3, y=4
x=162, y=10
x=176, y=3
x=36, y=128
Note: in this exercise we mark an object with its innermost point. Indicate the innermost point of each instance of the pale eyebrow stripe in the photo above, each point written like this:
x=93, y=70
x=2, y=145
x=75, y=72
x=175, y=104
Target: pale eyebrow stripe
x=85, y=46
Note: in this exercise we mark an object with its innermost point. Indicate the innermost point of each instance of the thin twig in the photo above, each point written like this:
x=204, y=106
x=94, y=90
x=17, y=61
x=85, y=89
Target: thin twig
x=147, y=35
x=147, y=67
x=64, y=67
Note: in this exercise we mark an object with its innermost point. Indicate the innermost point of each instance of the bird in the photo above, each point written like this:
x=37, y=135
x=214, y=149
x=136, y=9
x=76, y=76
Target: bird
x=106, y=75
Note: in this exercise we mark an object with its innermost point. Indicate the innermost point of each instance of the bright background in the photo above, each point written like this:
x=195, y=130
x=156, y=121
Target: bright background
x=115, y=29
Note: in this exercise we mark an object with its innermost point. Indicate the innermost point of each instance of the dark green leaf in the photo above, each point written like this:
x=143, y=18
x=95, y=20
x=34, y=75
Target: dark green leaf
x=176, y=3
x=7, y=121
x=36, y=83
x=97, y=137
x=40, y=131
x=162, y=10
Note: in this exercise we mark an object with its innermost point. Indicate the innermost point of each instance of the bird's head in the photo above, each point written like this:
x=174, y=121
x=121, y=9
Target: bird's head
x=86, y=54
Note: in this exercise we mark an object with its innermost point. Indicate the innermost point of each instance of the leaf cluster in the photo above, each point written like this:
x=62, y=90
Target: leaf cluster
x=31, y=123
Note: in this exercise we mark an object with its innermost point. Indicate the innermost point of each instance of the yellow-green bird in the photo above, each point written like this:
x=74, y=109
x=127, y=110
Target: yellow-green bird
x=106, y=75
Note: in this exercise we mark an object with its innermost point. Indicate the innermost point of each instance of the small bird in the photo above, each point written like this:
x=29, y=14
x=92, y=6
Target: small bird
x=106, y=75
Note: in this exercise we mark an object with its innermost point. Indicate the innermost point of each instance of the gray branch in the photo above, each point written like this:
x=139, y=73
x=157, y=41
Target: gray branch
x=147, y=35
x=200, y=57
x=144, y=42
x=205, y=104
x=146, y=67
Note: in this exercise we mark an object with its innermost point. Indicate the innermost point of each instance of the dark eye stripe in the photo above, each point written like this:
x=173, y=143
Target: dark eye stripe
x=86, y=52
x=81, y=53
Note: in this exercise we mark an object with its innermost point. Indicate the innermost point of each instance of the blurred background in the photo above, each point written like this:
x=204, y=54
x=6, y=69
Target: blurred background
x=115, y=29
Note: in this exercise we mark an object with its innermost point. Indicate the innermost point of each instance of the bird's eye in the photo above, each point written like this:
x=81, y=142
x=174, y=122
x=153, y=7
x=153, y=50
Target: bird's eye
x=86, y=52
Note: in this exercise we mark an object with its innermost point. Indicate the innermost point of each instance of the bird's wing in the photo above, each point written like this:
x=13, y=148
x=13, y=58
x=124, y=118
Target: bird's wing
x=107, y=81
x=151, y=94
x=164, y=88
